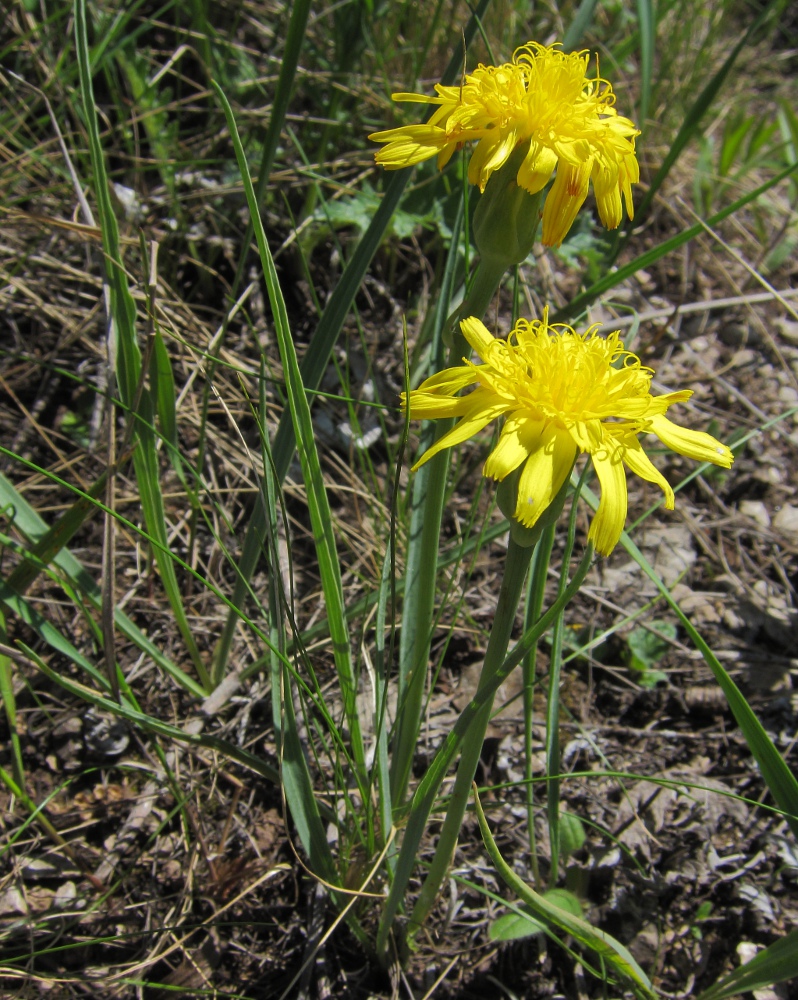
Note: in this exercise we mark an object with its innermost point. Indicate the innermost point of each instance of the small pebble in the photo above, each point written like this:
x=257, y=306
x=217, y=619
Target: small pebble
x=757, y=511
x=786, y=520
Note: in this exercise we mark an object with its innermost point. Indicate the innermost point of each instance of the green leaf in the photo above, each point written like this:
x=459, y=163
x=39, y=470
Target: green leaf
x=647, y=20
x=646, y=649
x=776, y=964
x=618, y=957
x=514, y=925
x=127, y=362
x=580, y=23
x=318, y=503
x=572, y=834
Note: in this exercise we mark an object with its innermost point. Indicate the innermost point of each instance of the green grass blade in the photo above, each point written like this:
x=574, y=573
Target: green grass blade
x=647, y=22
x=295, y=36
x=703, y=102
x=776, y=964
x=318, y=503
x=776, y=774
x=317, y=355
x=162, y=385
x=35, y=530
x=127, y=359
x=295, y=775
x=604, y=945
x=10, y=706
x=580, y=24
x=381, y=675
x=421, y=560
x=578, y=304
x=300, y=9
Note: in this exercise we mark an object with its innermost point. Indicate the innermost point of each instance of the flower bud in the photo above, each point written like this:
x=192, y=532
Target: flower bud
x=507, y=499
x=506, y=218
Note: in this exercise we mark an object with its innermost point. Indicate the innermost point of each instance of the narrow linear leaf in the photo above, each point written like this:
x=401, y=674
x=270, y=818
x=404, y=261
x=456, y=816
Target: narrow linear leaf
x=580, y=23
x=776, y=964
x=318, y=503
x=578, y=304
x=297, y=782
x=317, y=355
x=647, y=24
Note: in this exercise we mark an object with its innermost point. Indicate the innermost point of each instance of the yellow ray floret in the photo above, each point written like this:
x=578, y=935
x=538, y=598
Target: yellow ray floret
x=560, y=393
x=543, y=98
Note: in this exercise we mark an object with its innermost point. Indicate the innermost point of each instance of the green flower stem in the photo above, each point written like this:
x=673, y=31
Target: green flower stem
x=516, y=565
x=429, y=488
x=426, y=794
x=534, y=605
x=553, y=748
x=428, y=493
x=483, y=288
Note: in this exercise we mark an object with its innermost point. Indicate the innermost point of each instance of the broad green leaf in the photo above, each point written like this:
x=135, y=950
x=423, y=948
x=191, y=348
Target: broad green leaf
x=572, y=834
x=514, y=925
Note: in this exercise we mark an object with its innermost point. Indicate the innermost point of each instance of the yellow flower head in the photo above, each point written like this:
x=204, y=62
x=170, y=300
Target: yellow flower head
x=561, y=393
x=542, y=98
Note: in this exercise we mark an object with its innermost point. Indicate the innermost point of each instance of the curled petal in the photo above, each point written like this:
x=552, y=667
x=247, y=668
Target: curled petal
x=537, y=168
x=448, y=382
x=639, y=462
x=692, y=444
x=608, y=197
x=491, y=153
x=432, y=406
x=567, y=195
x=478, y=335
